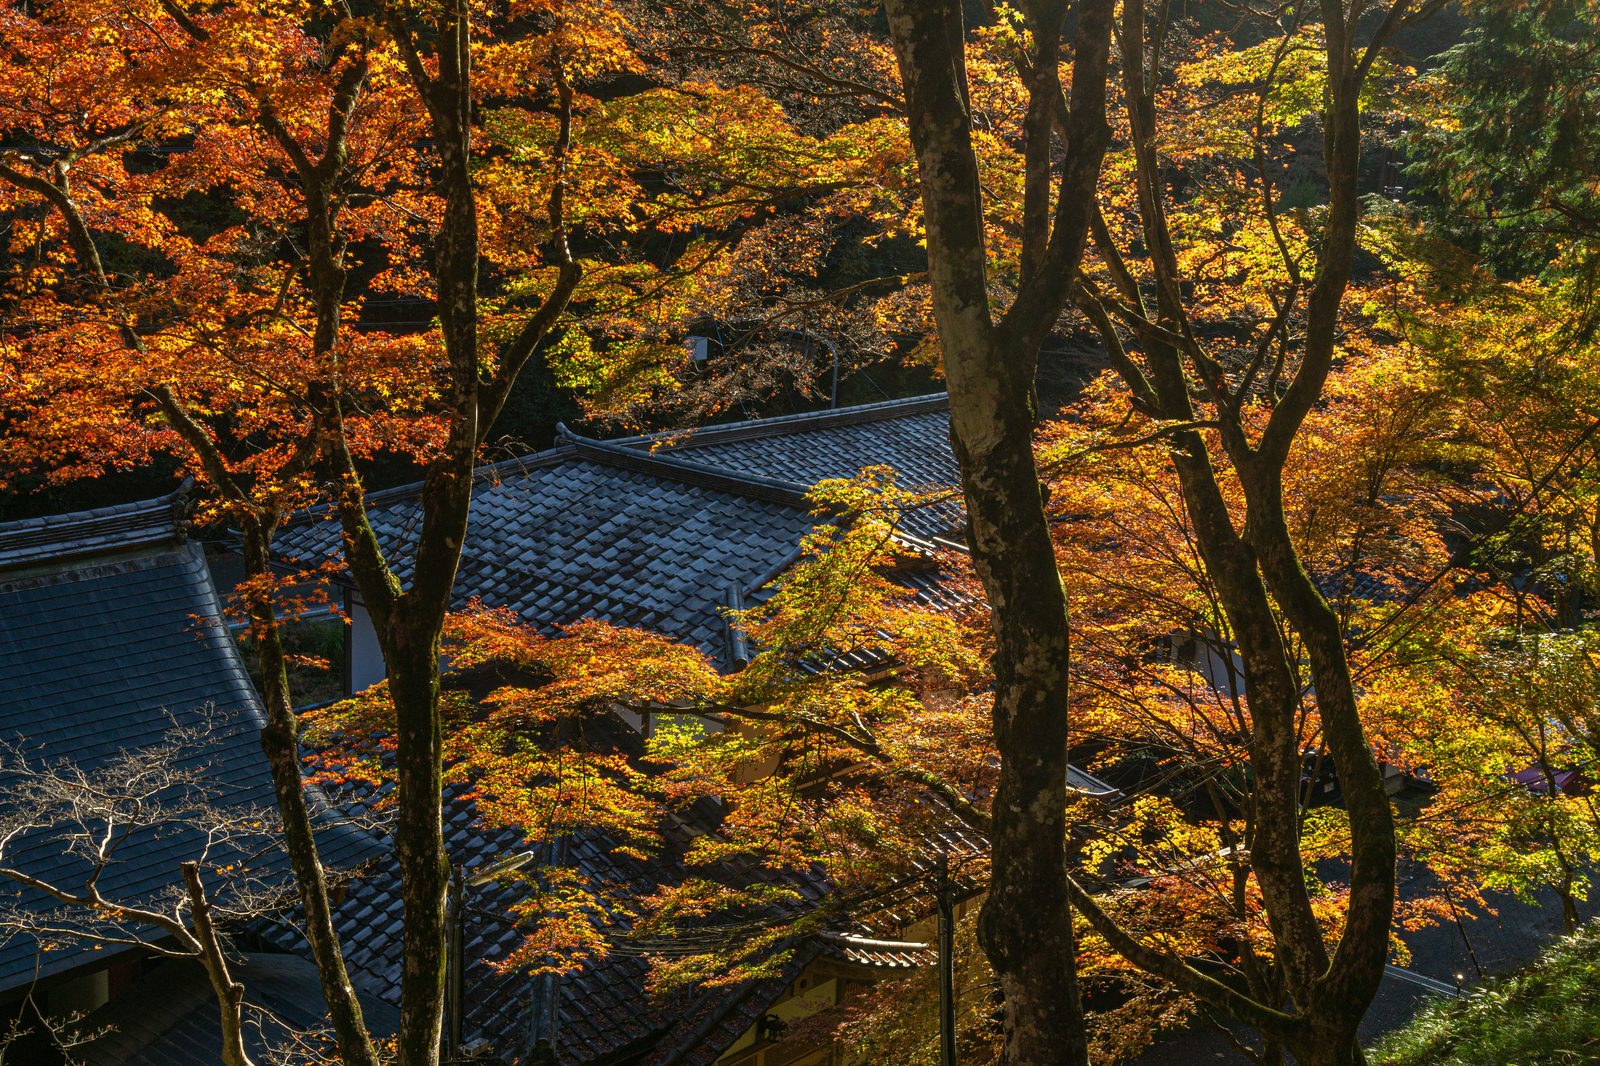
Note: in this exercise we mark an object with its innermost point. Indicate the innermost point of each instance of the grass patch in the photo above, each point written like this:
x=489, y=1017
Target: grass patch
x=1548, y=1013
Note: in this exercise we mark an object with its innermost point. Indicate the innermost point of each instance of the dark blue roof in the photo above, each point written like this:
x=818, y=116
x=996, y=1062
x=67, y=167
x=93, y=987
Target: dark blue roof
x=102, y=649
x=654, y=536
x=54, y=539
x=911, y=435
x=602, y=1012
x=574, y=534
x=660, y=534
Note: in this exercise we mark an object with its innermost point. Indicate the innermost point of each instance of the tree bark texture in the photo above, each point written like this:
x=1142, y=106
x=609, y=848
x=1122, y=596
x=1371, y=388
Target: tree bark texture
x=1257, y=571
x=280, y=742
x=409, y=621
x=1026, y=922
x=230, y=993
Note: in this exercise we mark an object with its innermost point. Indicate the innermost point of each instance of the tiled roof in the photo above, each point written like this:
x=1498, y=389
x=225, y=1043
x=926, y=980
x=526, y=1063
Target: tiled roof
x=370, y=916
x=54, y=539
x=868, y=951
x=100, y=653
x=912, y=435
x=662, y=536
x=603, y=1012
x=586, y=531
x=1346, y=583
x=702, y=1037
x=640, y=533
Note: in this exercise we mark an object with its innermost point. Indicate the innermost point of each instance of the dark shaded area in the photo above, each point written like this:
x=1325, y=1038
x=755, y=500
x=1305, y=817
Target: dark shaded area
x=171, y=1018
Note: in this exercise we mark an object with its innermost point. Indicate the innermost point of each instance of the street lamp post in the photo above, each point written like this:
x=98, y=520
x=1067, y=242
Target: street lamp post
x=462, y=879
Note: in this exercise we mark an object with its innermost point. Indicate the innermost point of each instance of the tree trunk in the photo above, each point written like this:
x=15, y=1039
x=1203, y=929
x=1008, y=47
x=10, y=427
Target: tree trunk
x=409, y=624
x=1330, y=995
x=1342, y=994
x=410, y=635
x=280, y=738
x=419, y=845
x=1026, y=922
x=1338, y=998
x=410, y=639
x=1273, y=697
x=280, y=741
x=230, y=993
x=410, y=621
x=1328, y=1043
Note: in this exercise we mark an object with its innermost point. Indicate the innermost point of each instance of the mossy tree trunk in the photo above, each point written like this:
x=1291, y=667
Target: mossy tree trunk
x=990, y=359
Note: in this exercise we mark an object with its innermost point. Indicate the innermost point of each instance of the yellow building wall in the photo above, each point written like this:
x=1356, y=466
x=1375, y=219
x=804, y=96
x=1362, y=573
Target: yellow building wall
x=811, y=992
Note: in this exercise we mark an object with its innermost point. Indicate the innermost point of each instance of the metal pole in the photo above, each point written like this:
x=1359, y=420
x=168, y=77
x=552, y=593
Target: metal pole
x=455, y=914
x=1462, y=927
x=947, y=969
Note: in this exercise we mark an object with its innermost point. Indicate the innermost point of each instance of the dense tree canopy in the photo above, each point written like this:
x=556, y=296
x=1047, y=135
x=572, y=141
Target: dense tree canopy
x=1328, y=517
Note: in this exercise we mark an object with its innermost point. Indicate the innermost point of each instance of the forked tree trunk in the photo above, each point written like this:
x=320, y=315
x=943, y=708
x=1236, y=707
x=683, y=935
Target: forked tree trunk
x=419, y=845
x=415, y=623
x=409, y=624
x=229, y=992
x=409, y=621
x=1329, y=994
x=1026, y=923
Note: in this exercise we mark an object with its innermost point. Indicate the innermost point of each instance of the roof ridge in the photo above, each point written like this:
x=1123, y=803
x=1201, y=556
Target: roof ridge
x=771, y=490
x=778, y=425
x=621, y=451
x=95, y=531
x=489, y=472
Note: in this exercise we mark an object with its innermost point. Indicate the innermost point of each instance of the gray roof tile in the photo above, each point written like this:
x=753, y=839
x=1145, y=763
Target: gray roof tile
x=648, y=531
x=644, y=536
x=170, y=1018
x=99, y=645
x=604, y=1011
x=637, y=552
x=912, y=435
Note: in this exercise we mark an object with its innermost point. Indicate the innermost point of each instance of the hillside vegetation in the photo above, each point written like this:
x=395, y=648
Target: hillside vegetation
x=1548, y=1013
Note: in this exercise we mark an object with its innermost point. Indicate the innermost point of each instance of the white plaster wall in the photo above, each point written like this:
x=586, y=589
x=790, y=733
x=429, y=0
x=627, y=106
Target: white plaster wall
x=366, y=657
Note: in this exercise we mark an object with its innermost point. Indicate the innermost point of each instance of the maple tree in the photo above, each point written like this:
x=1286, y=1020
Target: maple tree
x=1162, y=693
x=846, y=757
x=1506, y=736
x=202, y=244
x=1231, y=403
x=818, y=767
x=335, y=398
x=1475, y=428
x=989, y=355
x=207, y=202
x=149, y=71
x=1489, y=690
x=1225, y=253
